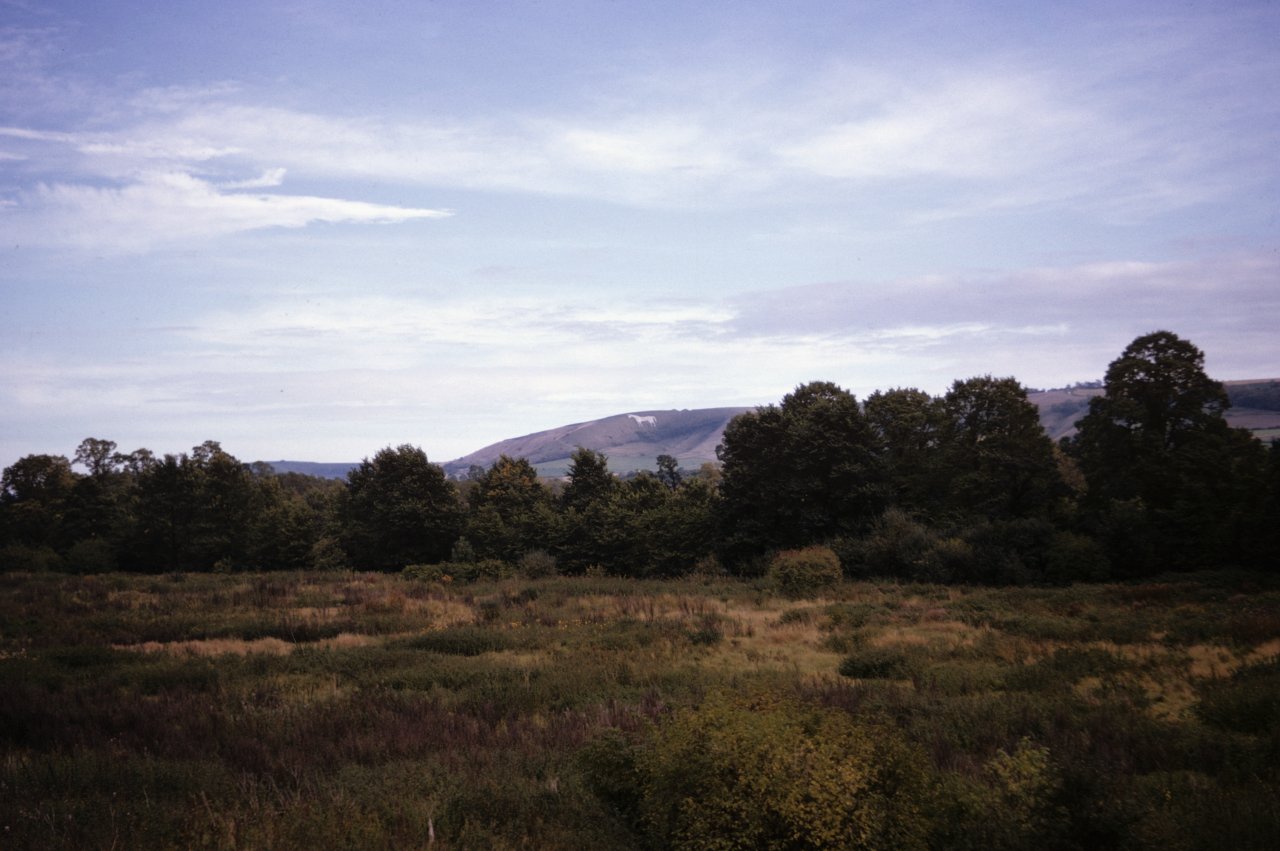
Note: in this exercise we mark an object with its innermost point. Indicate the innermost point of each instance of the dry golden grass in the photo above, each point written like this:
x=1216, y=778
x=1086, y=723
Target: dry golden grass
x=758, y=639
x=243, y=647
x=938, y=635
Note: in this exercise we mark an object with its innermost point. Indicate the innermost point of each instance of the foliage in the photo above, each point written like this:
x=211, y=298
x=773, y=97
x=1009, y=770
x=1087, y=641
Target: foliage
x=590, y=481
x=766, y=774
x=798, y=573
x=806, y=471
x=288, y=709
x=908, y=424
x=537, y=564
x=510, y=511
x=997, y=460
x=399, y=509
x=459, y=571
x=963, y=488
x=1169, y=483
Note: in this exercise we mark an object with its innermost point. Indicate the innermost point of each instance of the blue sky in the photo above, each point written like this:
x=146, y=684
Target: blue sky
x=311, y=230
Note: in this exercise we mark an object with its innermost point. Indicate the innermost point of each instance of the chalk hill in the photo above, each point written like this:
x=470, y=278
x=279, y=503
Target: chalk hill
x=632, y=441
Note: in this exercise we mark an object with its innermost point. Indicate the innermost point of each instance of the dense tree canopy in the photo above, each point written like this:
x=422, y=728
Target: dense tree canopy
x=995, y=455
x=511, y=511
x=1169, y=482
x=801, y=472
x=399, y=509
x=964, y=487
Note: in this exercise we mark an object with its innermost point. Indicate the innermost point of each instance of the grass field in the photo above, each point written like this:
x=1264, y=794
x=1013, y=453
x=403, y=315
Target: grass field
x=376, y=711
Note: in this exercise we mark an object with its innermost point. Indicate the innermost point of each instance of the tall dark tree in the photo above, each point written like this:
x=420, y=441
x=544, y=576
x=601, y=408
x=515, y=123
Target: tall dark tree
x=399, y=509
x=593, y=528
x=511, y=511
x=996, y=459
x=1169, y=481
x=589, y=479
x=669, y=471
x=100, y=519
x=194, y=511
x=805, y=471
x=680, y=530
x=907, y=424
x=34, y=497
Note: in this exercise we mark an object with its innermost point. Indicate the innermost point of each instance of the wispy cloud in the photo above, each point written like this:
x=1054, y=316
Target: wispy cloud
x=430, y=368
x=166, y=207
x=1015, y=135
x=270, y=178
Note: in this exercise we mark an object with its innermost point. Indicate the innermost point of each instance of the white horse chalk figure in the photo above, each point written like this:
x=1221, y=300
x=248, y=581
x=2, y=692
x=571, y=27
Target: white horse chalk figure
x=644, y=421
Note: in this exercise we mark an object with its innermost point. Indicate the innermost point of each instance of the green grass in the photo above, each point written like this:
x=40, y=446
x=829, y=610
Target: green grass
x=376, y=711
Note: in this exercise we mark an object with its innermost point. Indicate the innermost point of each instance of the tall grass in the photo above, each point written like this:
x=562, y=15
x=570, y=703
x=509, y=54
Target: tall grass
x=364, y=710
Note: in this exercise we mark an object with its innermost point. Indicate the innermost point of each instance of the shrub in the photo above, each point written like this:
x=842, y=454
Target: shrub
x=708, y=567
x=92, y=555
x=869, y=663
x=1072, y=557
x=1248, y=702
x=805, y=571
x=896, y=546
x=24, y=559
x=459, y=571
x=537, y=564
x=708, y=632
x=462, y=641
x=764, y=774
x=1013, y=805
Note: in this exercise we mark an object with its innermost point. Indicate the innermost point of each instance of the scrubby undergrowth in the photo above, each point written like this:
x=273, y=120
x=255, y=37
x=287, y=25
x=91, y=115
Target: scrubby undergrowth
x=364, y=710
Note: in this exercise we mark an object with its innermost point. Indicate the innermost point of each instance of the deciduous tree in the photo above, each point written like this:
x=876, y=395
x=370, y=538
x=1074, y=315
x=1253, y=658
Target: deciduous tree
x=399, y=509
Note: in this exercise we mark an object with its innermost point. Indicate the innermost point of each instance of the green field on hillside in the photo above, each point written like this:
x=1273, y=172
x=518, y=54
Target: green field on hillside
x=378, y=711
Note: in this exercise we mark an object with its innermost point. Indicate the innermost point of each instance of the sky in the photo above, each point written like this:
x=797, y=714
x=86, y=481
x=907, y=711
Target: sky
x=310, y=230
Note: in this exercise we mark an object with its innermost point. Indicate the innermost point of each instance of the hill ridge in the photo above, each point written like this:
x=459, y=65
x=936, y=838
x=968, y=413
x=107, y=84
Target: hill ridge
x=634, y=439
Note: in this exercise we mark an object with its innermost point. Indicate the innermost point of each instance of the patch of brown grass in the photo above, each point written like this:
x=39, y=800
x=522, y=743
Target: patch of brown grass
x=242, y=647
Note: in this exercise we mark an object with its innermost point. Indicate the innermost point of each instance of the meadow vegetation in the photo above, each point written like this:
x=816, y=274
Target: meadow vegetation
x=858, y=631
x=376, y=710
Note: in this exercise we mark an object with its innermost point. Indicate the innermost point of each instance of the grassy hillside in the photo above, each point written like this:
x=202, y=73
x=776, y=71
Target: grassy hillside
x=375, y=711
x=632, y=441
x=1255, y=405
x=691, y=436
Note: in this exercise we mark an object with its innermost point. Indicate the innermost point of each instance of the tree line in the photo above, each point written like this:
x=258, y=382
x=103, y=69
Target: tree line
x=963, y=487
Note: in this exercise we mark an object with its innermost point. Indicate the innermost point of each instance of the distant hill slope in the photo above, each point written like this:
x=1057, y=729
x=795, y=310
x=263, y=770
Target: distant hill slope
x=1255, y=405
x=633, y=441
x=313, y=468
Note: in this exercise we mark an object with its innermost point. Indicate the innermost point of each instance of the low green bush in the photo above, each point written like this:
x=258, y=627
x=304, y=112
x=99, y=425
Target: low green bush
x=881, y=663
x=462, y=641
x=1247, y=702
x=537, y=564
x=806, y=571
x=776, y=774
x=459, y=571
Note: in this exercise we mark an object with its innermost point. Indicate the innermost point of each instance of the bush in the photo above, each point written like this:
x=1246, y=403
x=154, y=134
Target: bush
x=805, y=571
x=537, y=564
x=459, y=571
x=1248, y=702
x=764, y=774
x=1013, y=805
x=1075, y=558
x=462, y=641
x=876, y=663
x=92, y=555
x=896, y=546
x=23, y=559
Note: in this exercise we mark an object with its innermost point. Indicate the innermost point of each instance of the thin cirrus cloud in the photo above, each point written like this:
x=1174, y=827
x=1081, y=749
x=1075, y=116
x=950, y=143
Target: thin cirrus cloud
x=1001, y=139
x=982, y=126
x=166, y=207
